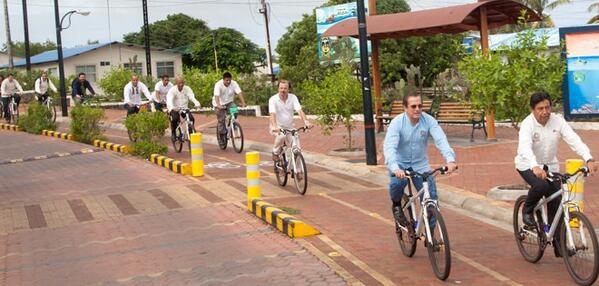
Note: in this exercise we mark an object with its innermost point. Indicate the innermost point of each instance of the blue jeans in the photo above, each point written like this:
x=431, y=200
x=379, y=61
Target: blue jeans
x=397, y=186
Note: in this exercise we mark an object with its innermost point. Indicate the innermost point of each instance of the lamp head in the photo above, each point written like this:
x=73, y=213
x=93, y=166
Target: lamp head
x=83, y=13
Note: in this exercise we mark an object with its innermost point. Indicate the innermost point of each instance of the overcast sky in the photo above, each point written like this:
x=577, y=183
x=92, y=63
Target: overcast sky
x=126, y=16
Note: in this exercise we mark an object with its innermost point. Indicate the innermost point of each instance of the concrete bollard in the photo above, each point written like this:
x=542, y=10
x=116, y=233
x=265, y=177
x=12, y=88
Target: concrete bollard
x=252, y=161
x=576, y=186
x=197, y=155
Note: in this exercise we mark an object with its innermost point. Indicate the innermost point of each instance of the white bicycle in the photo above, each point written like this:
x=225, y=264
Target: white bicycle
x=291, y=161
x=233, y=131
x=183, y=131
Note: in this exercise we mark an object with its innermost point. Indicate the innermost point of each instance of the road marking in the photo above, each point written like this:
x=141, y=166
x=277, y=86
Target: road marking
x=330, y=262
x=376, y=275
x=459, y=256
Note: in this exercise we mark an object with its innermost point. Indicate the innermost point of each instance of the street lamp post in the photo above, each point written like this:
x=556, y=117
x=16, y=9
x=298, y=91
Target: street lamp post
x=59, y=28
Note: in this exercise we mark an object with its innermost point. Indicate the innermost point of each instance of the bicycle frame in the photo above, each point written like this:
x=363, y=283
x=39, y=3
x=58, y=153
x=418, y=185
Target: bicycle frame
x=425, y=202
x=294, y=149
x=184, y=124
x=231, y=119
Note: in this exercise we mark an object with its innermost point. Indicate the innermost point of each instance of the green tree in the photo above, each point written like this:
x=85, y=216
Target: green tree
x=176, y=31
x=18, y=48
x=502, y=82
x=334, y=100
x=541, y=6
x=594, y=7
x=234, y=51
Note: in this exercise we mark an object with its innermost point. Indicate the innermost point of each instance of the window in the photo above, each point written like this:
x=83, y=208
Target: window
x=136, y=67
x=167, y=68
x=89, y=70
x=53, y=71
x=104, y=63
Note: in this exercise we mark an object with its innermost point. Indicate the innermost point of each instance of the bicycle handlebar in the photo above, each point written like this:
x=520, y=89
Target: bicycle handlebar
x=411, y=173
x=293, y=131
x=565, y=176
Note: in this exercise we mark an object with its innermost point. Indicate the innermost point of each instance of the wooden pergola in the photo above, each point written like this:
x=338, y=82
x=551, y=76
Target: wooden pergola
x=480, y=16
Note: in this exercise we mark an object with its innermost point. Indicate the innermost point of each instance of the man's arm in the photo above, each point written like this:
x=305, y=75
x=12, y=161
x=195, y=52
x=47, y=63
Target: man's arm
x=216, y=95
x=19, y=88
x=443, y=145
x=127, y=95
x=51, y=85
x=239, y=93
x=74, y=88
x=170, y=99
x=89, y=86
x=525, y=145
x=242, y=98
x=273, y=118
x=578, y=146
x=390, y=145
x=147, y=93
x=3, y=87
x=298, y=108
x=37, y=86
x=192, y=97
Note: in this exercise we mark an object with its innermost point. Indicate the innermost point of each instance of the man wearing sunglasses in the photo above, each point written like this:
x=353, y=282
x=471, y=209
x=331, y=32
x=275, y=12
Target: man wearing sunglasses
x=405, y=147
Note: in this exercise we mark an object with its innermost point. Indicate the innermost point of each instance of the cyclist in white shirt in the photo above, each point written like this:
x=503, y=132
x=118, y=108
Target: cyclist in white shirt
x=10, y=87
x=223, y=97
x=281, y=107
x=177, y=99
x=160, y=90
x=538, y=140
x=42, y=84
x=132, y=94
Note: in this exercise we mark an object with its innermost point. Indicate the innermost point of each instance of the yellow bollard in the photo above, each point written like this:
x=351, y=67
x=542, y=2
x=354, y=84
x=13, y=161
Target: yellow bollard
x=252, y=161
x=197, y=155
x=576, y=186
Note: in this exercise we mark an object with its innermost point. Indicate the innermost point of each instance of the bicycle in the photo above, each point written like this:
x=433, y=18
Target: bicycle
x=183, y=131
x=291, y=161
x=13, y=110
x=233, y=131
x=49, y=104
x=577, y=234
x=436, y=239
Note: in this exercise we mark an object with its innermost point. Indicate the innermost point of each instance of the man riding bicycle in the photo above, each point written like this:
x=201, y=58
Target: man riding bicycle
x=79, y=87
x=405, y=147
x=537, y=146
x=178, y=98
x=160, y=90
x=10, y=87
x=281, y=107
x=132, y=94
x=42, y=84
x=223, y=97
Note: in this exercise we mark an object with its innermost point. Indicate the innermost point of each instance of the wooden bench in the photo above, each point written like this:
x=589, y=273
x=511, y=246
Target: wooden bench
x=398, y=108
x=461, y=113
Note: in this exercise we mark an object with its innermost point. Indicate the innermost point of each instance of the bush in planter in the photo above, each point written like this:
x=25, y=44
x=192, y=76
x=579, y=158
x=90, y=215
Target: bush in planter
x=85, y=123
x=38, y=118
x=148, y=128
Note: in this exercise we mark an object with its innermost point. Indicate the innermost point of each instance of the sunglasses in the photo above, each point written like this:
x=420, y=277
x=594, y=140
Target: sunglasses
x=414, y=106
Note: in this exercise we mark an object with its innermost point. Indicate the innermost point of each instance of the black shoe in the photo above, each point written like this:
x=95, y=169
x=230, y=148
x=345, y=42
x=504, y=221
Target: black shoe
x=558, y=252
x=529, y=220
x=399, y=216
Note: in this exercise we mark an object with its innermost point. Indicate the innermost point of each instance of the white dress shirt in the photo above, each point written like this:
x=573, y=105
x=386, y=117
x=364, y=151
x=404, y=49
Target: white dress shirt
x=132, y=93
x=537, y=144
x=225, y=93
x=284, y=110
x=162, y=90
x=9, y=87
x=41, y=87
x=178, y=99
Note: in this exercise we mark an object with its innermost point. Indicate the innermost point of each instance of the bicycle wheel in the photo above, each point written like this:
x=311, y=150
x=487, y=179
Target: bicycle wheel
x=178, y=140
x=237, y=137
x=281, y=170
x=131, y=135
x=406, y=236
x=582, y=258
x=439, y=251
x=222, y=139
x=529, y=241
x=300, y=174
x=53, y=113
x=14, y=113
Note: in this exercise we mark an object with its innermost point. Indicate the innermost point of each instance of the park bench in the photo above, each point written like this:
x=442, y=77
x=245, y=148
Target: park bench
x=397, y=108
x=461, y=113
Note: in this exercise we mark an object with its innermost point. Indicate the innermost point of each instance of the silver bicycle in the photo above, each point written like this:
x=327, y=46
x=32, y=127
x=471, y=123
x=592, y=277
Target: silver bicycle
x=13, y=110
x=233, y=131
x=578, y=240
x=291, y=161
x=183, y=131
x=429, y=224
x=49, y=104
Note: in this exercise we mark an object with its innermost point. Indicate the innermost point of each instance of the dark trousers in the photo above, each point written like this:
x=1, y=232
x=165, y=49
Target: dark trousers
x=221, y=115
x=158, y=106
x=175, y=118
x=41, y=98
x=131, y=109
x=6, y=101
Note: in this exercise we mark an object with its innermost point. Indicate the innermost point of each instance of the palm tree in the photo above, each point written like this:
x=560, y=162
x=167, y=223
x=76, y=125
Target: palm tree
x=593, y=7
x=540, y=6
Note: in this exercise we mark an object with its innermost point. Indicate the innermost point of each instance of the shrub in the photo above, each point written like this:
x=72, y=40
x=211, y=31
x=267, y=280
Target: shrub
x=38, y=118
x=202, y=84
x=148, y=128
x=85, y=123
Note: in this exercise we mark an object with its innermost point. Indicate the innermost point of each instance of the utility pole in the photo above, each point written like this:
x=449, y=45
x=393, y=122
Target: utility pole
x=264, y=11
x=26, y=29
x=367, y=98
x=214, y=48
x=8, y=41
x=147, y=38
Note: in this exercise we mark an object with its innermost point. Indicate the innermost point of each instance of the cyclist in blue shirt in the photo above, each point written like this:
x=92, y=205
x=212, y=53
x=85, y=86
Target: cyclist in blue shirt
x=79, y=86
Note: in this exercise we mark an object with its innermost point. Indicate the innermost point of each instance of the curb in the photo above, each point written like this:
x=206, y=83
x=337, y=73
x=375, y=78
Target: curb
x=111, y=146
x=55, y=155
x=10, y=127
x=57, y=134
x=171, y=164
x=281, y=220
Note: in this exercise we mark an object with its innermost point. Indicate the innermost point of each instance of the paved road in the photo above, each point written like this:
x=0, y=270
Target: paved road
x=358, y=241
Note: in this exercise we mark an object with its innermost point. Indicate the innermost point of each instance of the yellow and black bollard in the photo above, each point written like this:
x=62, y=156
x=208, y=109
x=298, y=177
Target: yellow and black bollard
x=197, y=155
x=252, y=161
x=576, y=186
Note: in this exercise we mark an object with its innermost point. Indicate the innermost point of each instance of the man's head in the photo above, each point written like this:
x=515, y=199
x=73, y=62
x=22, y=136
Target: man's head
x=44, y=75
x=10, y=77
x=180, y=82
x=165, y=79
x=540, y=105
x=412, y=103
x=81, y=77
x=284, y=87
x=227, y=78
x=134, y=80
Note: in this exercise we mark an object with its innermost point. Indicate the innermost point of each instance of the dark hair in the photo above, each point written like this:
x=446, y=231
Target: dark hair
x=537, y=97
x=164, y=76
x=408, y=95
x=80, y=74
x=227, y=75
x=10, y=74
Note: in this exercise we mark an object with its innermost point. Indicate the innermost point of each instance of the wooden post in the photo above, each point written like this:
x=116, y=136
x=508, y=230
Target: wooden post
x=376, y=72
x=484, y=43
